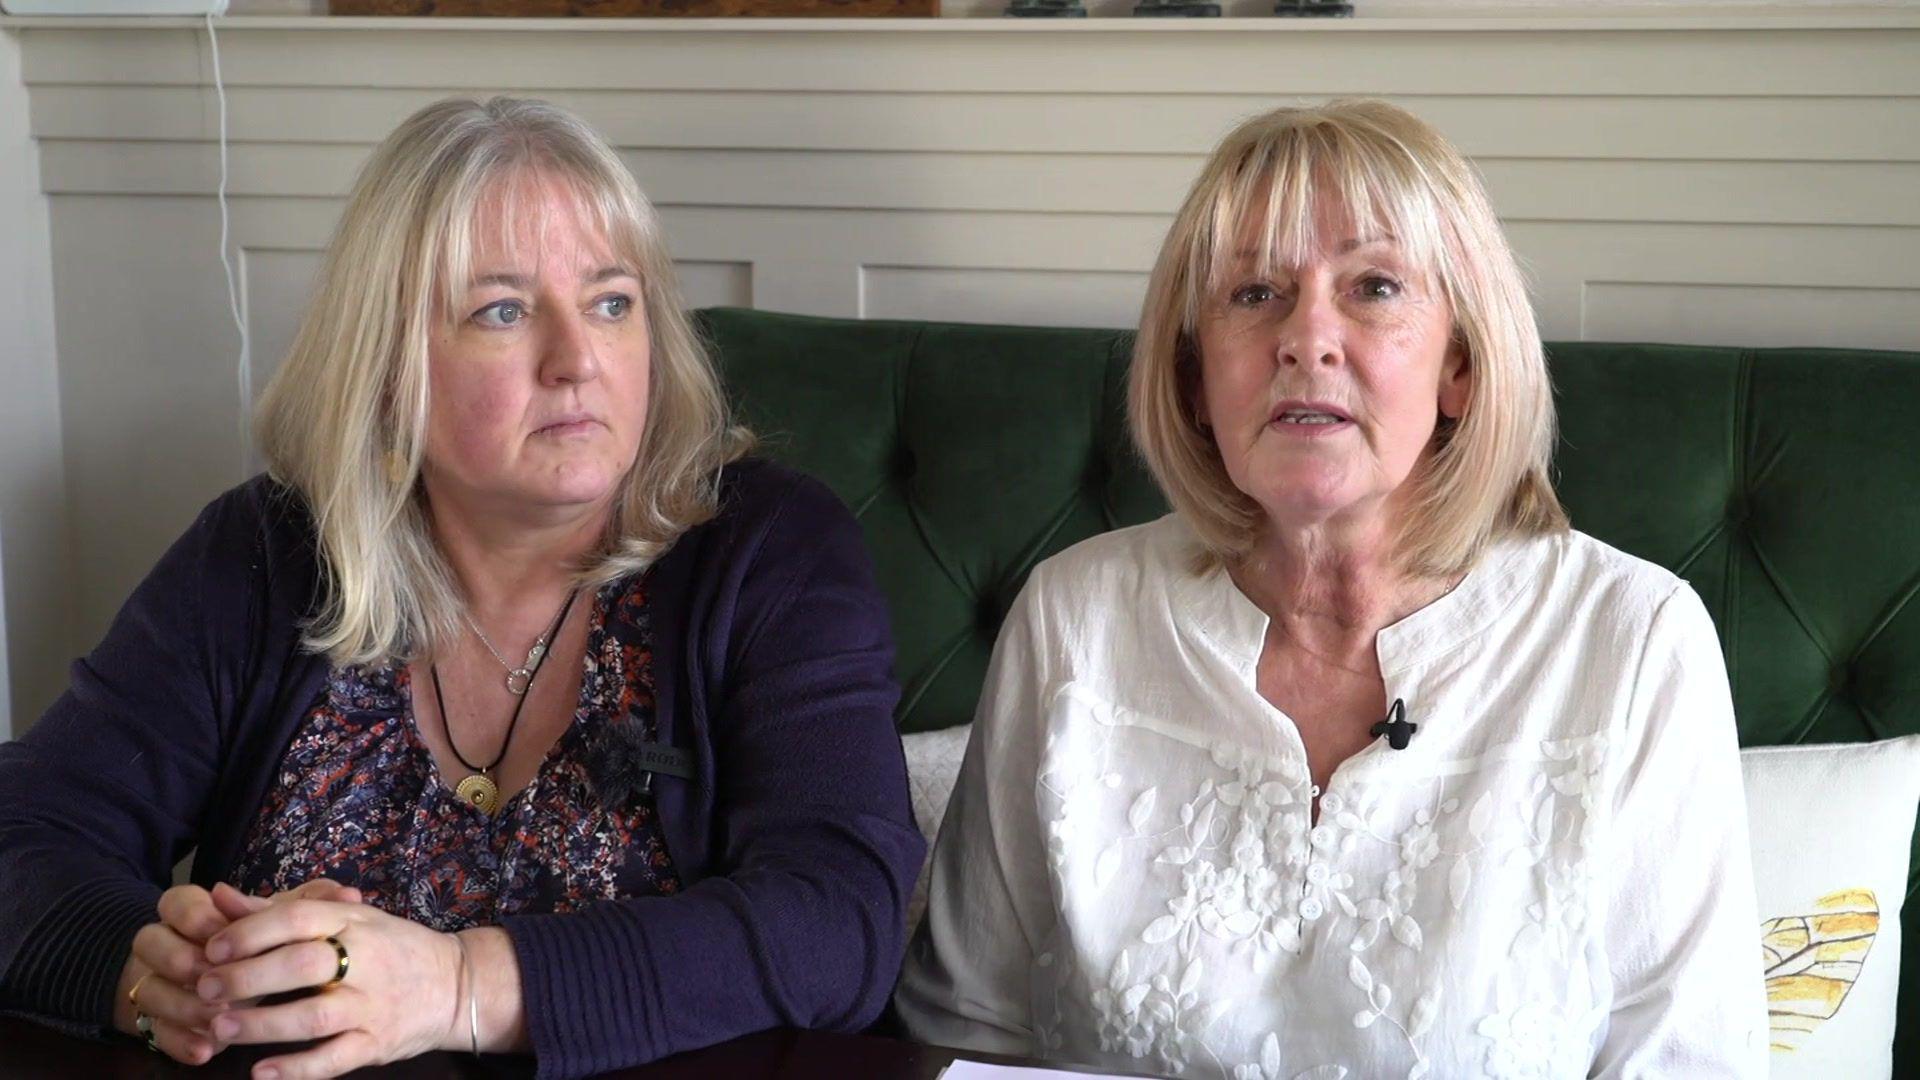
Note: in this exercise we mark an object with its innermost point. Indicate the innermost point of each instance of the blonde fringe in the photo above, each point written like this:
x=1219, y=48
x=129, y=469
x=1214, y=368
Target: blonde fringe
x=1486, y=476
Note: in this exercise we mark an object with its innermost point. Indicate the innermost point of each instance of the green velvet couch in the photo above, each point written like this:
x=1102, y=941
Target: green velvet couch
x=1784, y=484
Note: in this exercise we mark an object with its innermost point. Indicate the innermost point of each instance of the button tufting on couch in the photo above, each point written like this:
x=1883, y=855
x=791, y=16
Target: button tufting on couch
x=1784, y=484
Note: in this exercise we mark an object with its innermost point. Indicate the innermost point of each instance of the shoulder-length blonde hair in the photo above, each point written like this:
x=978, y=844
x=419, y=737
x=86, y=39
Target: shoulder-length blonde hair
x=1486, y=475
x=344, y=420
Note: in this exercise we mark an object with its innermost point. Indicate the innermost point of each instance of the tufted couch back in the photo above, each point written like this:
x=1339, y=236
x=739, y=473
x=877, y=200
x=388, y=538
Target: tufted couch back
x=1784, y=484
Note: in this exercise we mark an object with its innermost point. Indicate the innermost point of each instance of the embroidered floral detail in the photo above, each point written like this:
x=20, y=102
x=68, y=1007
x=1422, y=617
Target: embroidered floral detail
x=1147, y=1017
x=1419, y=848
x=1269, y=1066
x=1560, y=916
x=1231, y=873
x=1048, y=1035
x=1244, y=899
x=1586, y=760
x=1563, y=812
x=1534, y=1040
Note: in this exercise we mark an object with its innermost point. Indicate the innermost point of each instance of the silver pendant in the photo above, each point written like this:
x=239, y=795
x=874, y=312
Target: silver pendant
x=518, y=680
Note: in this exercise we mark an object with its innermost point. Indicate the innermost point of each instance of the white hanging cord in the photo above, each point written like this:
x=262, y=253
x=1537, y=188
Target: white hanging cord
x=244, y=368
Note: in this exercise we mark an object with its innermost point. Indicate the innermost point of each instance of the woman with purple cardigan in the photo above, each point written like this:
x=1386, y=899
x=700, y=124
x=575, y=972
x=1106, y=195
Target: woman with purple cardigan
x=515, y=710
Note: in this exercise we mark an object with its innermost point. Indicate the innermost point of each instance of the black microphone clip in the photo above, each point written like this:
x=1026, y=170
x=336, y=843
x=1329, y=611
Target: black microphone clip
x=1395, y=727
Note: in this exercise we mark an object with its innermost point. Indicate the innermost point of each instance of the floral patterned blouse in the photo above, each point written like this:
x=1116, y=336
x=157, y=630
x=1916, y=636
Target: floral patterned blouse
x=359, y=799
x=1550, y=880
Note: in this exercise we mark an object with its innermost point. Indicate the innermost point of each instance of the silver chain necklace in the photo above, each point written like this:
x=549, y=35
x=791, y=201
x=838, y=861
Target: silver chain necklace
x=518, y=678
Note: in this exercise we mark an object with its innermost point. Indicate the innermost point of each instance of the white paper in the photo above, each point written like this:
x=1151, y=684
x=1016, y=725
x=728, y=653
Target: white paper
x=980, y=1070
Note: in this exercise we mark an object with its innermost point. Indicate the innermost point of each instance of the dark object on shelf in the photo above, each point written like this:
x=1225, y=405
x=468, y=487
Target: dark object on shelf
x=1176, y=9
x=1046, y=9
x=1303, y=9
x=783, y=9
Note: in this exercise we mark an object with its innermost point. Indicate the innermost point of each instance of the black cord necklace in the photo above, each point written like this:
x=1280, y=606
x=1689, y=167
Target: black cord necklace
x=480, y=790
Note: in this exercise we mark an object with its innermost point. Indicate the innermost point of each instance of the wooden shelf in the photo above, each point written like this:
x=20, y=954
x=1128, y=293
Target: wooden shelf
x=1380, y=19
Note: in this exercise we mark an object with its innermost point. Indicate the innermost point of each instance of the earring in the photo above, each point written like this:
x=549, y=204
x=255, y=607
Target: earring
x=396, y=468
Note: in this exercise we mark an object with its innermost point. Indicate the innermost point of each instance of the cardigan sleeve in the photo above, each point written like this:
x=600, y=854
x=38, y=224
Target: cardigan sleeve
x=104, y=795
x=802, y=925
x=1682, y=928
x=969, y=972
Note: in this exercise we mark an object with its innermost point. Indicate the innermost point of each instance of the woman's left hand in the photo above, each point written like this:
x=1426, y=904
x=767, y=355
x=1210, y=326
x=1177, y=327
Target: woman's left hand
x=399, y=998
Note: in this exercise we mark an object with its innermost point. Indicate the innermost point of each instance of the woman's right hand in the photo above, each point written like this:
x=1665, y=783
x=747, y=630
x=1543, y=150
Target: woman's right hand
x=168, y=957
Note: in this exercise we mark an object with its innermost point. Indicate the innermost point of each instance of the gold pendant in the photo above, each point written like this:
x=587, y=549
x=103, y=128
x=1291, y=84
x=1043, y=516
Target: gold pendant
x=480, y=792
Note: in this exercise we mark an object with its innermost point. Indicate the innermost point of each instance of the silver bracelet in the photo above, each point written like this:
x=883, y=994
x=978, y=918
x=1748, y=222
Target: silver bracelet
x=473, y=999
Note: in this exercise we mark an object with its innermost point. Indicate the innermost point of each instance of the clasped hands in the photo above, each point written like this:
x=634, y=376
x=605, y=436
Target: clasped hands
x=200, y=971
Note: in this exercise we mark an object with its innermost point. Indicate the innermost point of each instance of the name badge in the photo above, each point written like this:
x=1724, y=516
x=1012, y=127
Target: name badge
x=661, y=758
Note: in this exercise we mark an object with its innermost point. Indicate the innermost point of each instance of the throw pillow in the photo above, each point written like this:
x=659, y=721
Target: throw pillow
x=1832, y=830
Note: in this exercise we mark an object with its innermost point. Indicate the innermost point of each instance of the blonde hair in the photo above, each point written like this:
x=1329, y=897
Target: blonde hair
x=1485, y=476
x=344, y=420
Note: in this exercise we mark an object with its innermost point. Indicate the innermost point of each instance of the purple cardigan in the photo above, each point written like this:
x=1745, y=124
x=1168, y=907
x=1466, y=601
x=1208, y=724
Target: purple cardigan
x=773, y=663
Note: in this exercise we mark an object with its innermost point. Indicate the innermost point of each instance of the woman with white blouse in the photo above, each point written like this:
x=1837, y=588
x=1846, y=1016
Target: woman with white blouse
x=1361, y=762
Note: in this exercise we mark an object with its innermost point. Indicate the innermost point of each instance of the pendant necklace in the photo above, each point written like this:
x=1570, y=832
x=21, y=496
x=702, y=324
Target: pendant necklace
x=518, y=678
x=480, y=790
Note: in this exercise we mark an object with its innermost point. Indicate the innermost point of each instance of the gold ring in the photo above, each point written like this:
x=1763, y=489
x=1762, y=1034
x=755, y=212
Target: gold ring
x=133, y=993
x=142, y=1023
x=340, y=961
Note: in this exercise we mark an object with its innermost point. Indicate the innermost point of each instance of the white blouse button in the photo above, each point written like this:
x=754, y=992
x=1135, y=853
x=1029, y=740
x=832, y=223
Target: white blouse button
x=1331, y=803
x=1311, y=909
x=1320, y=837
x=1317, y=873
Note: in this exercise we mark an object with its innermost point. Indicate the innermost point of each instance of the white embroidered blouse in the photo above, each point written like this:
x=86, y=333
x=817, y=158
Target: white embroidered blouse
x=1551, y=879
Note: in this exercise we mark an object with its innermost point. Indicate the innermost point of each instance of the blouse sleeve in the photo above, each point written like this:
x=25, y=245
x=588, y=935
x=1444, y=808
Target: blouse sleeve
x=968, y=974
x=1682, y=928
x=104, y=795
x=805, y=924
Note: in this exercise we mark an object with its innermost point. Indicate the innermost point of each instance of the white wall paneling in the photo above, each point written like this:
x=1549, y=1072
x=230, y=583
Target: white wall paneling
x=1570, y=189
x=713, y=284
x=1734, y=177
x=1759, y=315
x=34, y=568
x=978, y=294
x=965, y=9
x=149, y=394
